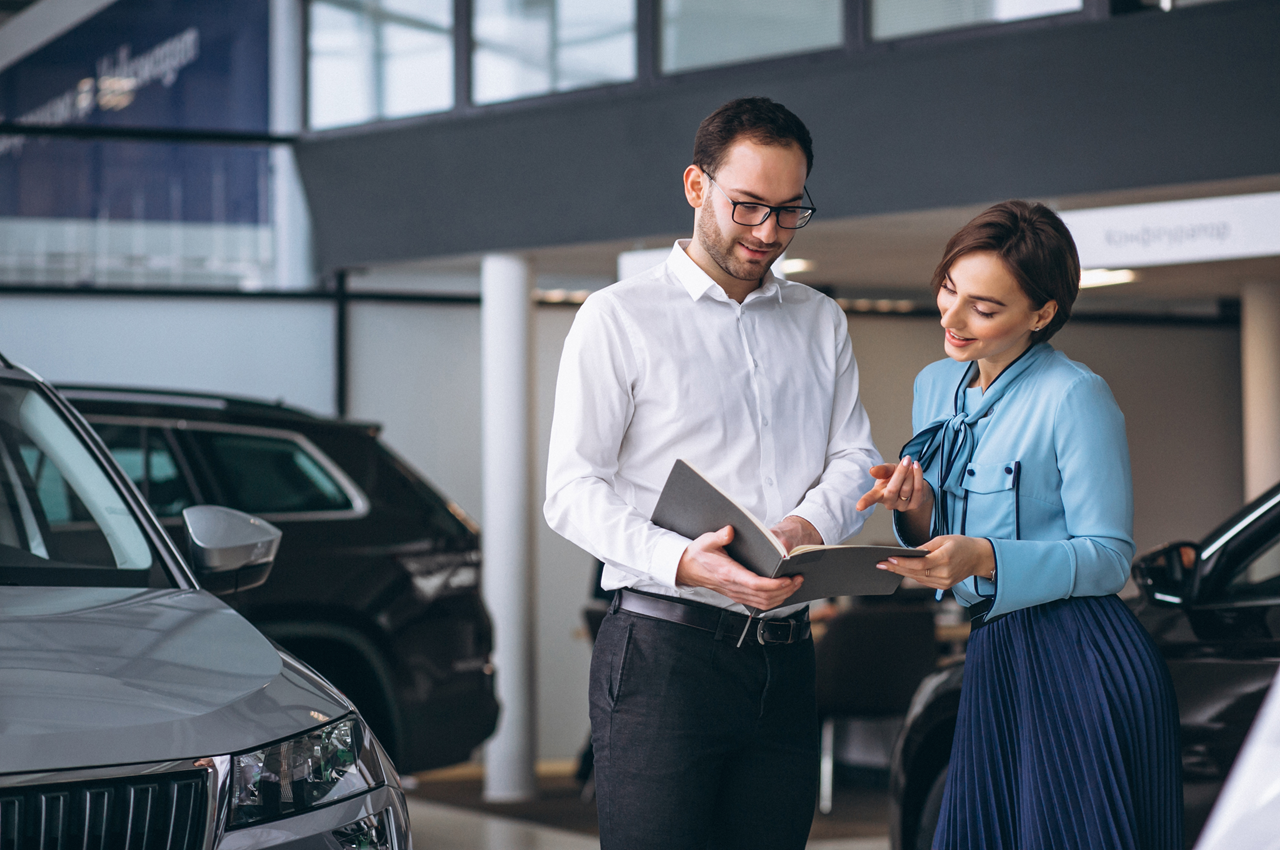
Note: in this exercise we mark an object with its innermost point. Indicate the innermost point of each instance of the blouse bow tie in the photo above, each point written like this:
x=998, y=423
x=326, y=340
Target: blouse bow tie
x=950, y=441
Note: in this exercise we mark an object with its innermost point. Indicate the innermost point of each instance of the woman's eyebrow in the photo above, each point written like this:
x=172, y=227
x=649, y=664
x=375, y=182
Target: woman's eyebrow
x=995, y=301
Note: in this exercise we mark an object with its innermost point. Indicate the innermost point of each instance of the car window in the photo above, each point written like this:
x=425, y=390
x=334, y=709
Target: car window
x=269, y=475
x=147, y=458
x=1260, y=576
x=62, y=519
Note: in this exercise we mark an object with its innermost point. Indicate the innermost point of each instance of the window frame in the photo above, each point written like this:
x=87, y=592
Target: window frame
x=1234, y=554
x=360, y=503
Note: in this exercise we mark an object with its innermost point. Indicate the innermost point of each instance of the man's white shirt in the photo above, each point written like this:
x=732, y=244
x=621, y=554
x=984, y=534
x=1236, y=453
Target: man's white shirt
x=761, y=397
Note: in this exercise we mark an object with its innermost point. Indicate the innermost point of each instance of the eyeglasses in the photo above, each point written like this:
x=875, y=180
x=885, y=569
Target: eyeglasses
x=750, y=214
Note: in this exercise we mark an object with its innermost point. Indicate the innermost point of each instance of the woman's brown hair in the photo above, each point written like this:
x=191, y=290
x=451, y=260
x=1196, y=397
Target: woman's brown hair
x=1034, y=245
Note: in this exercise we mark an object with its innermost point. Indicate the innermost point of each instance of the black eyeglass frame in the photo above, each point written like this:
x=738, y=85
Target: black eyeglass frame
x=774, y=211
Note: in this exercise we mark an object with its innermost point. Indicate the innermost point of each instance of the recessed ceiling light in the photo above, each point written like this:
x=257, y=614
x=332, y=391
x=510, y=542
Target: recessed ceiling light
x=796, y=266
x=1106, y=277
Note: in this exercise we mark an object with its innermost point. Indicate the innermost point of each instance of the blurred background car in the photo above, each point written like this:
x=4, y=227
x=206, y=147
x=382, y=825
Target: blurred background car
x=140, y=710
x=376, y=584
x=1213, y=609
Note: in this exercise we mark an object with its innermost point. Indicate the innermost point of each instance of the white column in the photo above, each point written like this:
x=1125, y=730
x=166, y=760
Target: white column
x=292, y=222
x=1260, y=376
x=505, y=290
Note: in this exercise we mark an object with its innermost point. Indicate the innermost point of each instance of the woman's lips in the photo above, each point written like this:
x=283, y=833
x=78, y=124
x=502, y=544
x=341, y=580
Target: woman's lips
x=957, y=340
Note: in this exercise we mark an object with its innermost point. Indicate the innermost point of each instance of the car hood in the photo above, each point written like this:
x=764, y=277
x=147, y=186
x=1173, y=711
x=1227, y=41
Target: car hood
x=103, y=676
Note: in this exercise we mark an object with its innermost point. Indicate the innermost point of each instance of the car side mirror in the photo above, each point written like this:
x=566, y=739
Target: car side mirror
x=1162, y=573
x=230, y=550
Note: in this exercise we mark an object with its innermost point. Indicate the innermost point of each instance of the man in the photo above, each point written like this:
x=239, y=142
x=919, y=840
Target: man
x=710, y=358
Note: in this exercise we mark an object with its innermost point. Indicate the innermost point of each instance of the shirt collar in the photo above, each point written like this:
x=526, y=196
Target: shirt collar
x=698, y=283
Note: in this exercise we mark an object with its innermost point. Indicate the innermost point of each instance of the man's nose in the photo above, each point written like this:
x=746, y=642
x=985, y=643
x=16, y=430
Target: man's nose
x=767, y=230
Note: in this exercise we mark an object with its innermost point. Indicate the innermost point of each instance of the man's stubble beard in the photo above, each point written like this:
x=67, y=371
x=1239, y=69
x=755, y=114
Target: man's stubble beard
x=720, y=250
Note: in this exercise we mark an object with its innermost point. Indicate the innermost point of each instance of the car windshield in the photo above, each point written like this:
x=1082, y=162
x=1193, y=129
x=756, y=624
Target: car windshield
x=62, y=520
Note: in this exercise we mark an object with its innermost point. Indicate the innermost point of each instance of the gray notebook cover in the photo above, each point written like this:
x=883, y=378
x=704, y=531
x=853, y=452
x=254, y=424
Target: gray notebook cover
x=691, y=505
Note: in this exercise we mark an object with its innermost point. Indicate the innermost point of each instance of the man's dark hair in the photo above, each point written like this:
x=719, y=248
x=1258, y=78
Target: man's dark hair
x=1034, y=245
x=756, y=118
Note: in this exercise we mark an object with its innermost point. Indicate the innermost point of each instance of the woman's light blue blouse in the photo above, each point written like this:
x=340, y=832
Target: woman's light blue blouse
x=1048, y=484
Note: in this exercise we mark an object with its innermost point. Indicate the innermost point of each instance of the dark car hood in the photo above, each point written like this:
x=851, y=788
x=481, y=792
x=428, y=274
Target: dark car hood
x=101, y=676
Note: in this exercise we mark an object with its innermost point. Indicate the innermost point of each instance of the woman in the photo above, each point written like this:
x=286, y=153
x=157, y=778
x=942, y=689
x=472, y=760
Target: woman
x=1017, y=483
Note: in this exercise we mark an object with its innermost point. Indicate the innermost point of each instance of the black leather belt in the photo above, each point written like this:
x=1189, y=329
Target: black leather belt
x=709, y=618
x=978, y=615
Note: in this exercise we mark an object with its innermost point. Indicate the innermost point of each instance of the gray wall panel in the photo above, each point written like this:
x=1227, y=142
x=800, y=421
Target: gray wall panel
x=1144, y=100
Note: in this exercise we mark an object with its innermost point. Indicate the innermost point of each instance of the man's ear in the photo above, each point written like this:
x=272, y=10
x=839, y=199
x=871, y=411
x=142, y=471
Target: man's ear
x=695, y=186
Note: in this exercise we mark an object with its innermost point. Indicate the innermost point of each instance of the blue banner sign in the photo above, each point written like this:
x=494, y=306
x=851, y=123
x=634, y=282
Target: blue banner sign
x=167, y=64
x=153, y=64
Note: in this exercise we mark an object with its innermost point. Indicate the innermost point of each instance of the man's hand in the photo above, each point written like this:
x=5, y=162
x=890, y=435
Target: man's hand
x=706, y=564
x=796, y=531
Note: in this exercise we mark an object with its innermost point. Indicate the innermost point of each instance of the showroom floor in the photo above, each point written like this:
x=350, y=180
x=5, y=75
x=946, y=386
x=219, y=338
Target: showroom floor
x=443, y=827
x=447, y=810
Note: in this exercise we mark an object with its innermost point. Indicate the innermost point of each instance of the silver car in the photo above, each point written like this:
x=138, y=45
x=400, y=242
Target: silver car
x=137, y=711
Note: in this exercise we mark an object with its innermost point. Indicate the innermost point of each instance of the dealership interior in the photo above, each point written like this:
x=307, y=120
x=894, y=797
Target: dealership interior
x=351, y=236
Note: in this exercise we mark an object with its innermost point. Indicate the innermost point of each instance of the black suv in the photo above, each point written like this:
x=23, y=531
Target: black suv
x=1212, y=607
x=376, y=583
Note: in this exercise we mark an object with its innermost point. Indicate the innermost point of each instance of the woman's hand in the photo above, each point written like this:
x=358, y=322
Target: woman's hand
x=951, y=559
x=900, y=486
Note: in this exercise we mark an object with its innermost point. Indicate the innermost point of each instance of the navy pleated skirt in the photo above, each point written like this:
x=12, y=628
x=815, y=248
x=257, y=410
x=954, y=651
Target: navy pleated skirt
x=1067, y=735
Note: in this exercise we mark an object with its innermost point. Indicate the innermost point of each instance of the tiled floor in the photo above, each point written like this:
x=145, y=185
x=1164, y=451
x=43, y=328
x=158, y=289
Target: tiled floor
x=440, y=827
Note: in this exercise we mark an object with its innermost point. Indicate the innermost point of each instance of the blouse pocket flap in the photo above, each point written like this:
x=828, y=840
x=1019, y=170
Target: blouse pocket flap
x=990, y=477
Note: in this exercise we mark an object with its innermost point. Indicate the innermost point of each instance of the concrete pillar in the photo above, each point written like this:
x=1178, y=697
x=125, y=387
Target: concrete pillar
x=1260, y=376
x=505, y=314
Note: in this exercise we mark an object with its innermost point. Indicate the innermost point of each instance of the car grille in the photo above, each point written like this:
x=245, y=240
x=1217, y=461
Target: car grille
x=159, y=812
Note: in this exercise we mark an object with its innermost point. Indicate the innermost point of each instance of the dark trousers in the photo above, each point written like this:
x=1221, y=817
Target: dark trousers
x=699, y=743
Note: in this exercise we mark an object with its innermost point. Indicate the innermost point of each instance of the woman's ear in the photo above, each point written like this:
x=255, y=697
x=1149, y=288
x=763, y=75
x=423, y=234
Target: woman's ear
x=695, y=186
x=1044, y=315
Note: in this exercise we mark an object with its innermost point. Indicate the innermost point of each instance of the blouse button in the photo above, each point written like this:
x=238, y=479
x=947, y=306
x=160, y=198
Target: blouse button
x=1008, y=470
x=970, y=472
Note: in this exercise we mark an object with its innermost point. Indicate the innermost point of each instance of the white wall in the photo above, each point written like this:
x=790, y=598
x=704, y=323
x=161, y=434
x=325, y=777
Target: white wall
x=416, y=369
x=1178, y=386
x=273, y=349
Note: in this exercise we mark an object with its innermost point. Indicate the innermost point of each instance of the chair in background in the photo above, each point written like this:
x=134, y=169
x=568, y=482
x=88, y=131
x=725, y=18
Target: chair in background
x=869, y=663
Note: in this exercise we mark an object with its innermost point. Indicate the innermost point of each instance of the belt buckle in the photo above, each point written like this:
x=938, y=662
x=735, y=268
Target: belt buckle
x=765, y=640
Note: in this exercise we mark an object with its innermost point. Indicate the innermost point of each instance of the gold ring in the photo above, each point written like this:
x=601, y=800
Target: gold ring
x=928, y=571
x=904, y=498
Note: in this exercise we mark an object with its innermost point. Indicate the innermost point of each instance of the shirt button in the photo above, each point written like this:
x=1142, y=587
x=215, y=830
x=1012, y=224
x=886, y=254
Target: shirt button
x=1008, y=470
x=766, y=422
x=970, y=472
x=769, y=481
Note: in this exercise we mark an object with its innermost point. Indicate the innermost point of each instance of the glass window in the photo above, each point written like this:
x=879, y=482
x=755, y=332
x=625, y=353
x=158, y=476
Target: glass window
x=525, y=48
x=371, y=59
x=269, y=475
x=77, y=212
x=147, y=458
x=1260, y=577
x=898, y=18
x=706, y=33
x=58, y=508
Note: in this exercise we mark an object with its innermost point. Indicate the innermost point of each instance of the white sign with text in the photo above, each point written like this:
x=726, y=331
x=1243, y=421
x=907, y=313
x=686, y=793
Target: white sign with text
x=1195, y=231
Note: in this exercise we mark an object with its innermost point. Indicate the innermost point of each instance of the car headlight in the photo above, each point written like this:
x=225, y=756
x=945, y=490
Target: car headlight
x=312, y=770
